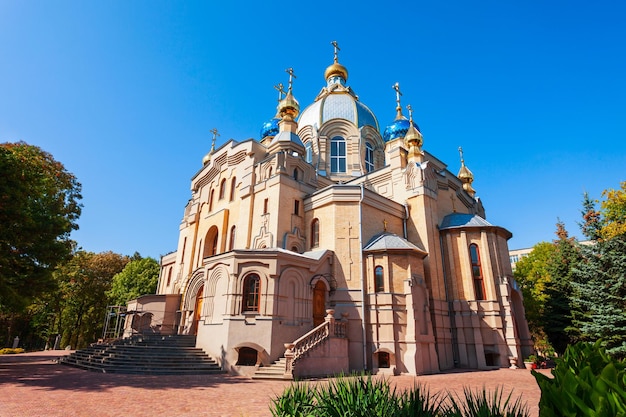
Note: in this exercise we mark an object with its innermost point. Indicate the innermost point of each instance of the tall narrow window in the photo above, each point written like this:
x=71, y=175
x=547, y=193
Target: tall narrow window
x=337, y=154
x=379, y=279
x=251, y=293
x=233, y=183
x=232, y=238
x=169, y=276
x=308, y=152
x=214, y=245
x=315, y=233
x=296, y=207
x=295, y=174
x=211, y=200
x=265, y=205
x=223, y=188
x=477, y=273
x=369, y=157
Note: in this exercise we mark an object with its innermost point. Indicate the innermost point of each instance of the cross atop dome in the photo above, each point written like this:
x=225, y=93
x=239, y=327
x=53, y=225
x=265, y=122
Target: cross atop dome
x=281, y=90
x=336, y=72
x=337, y=49
x=291, y=77
x=215, y=135
x=396, y=87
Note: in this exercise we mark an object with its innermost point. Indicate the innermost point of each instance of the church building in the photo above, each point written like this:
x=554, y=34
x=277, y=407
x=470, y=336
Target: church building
x=330, y=245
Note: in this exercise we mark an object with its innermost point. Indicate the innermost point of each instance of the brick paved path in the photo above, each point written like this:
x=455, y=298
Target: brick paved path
x=32, y=384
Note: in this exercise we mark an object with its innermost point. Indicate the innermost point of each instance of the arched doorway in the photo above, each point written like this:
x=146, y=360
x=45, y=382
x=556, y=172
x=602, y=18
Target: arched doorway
x=319, y=303
x=197, y=310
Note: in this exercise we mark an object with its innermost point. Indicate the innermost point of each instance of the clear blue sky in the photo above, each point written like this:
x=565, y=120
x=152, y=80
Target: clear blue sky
x=124, y=94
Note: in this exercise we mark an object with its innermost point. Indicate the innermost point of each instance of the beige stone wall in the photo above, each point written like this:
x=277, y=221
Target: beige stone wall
x=427, y=318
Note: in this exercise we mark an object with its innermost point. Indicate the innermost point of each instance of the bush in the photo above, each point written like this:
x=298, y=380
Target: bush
x=586, y=382
x=362, y=396
x=480, y=403
x=8, y=351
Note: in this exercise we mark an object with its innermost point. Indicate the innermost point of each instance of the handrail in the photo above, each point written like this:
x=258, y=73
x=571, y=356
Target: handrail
x=300, y=347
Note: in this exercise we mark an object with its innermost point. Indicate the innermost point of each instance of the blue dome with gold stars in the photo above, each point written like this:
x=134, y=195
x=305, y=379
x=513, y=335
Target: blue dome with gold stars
x=398, y=129
x=270, y=128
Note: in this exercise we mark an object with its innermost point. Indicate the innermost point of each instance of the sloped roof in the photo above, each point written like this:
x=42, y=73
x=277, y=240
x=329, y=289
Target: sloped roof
x=390, y=241
x=463, y=220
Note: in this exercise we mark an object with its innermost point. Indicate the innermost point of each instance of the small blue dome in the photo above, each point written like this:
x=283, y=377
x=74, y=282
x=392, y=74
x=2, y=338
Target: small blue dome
x=397, y=129
x=270, y=128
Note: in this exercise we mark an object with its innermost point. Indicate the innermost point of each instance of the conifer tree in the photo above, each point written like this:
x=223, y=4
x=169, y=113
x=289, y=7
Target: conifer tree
x=558, y=312
x=599, y=299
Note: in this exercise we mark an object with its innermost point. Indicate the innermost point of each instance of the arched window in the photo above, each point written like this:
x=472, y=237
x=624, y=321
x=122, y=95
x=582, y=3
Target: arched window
x=477, y=273
x=211, y=200
x=315, y=233
x=232, y=238
x=211, y=242
x=337, y=154
x=308, y=152
x=379, y=279
x=251, y=293
x=369, y=157
x=233, y=183
x=223, y=188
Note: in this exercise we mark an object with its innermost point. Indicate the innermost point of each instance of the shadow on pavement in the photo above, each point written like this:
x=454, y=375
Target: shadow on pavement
x=39, y=369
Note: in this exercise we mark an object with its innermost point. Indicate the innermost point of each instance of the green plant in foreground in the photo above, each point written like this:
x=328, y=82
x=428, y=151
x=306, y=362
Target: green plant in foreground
x=586, y=382
x=297, y=401
x=481, y=404
x=362, y=396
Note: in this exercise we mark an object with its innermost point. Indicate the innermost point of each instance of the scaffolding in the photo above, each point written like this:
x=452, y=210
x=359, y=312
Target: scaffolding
x=114, y=322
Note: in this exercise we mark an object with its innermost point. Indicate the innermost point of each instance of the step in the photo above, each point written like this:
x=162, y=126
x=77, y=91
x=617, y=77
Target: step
x=162, y=355
x=274, y=371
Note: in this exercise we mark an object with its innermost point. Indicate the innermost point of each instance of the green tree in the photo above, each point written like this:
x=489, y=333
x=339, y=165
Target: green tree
x=532, y=275
x=558, y=309
x=39, y=207
x=81, y=303
x=138, y=277
x=599, y=299
x=600, y=283
x=591, y=226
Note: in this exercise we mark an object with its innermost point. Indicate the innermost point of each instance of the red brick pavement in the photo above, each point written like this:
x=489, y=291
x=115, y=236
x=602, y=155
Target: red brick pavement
x=32, y=384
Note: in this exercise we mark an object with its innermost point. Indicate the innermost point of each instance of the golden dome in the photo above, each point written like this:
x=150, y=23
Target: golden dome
x=289, y=106
x=465, y=174
x=336, y=69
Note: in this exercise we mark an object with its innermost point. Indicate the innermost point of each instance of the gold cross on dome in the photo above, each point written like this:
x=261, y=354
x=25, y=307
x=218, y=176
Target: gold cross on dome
x=410, y=109
x=461, y=153
x=396, y=87
x=336, y=46
x=291, y=77
x=281, y=90
x=215, y=135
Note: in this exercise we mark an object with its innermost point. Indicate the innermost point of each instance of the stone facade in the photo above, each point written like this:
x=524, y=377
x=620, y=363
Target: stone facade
x=323, y=214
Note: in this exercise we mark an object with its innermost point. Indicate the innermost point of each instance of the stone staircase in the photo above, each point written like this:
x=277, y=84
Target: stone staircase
x=305, y=347
x=275, y=371
x=147, y=355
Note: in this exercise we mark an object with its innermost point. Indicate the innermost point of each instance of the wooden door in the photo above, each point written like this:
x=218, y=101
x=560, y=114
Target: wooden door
x=319, y=303
x=197, y=310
